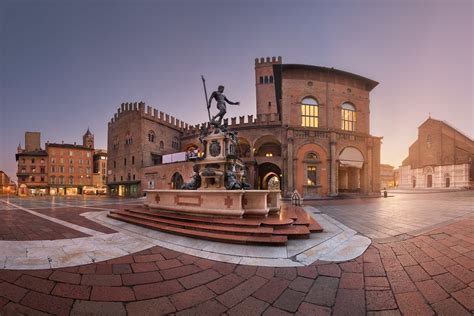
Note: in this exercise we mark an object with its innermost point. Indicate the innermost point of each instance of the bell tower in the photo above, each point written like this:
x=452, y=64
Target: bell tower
x=265, y=85
x=88, y=139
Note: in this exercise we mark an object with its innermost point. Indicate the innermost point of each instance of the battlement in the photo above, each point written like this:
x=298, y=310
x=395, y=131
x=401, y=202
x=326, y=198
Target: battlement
x=260, y=62
x=149, y=112
x=239, y=122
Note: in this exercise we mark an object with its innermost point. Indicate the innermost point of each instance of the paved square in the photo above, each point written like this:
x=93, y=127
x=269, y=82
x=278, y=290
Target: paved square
x=430, y=273
x=399, y=214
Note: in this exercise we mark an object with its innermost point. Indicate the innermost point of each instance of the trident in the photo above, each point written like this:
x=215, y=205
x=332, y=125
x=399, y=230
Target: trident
x=205, y=93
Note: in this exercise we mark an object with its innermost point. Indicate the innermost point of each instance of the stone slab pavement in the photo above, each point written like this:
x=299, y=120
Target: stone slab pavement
x=400, y=214
x=423, y=275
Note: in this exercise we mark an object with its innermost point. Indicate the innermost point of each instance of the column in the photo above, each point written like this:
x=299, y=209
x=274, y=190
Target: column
x=370, y=187
x=333, y=166
x=290, y=167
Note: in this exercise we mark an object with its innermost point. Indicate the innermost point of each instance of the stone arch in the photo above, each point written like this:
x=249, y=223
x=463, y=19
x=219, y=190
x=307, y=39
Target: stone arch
x=176, y=181
x=245, y=147
x=266, y=171
x=267, y=145
x=311, y=170
x=351, y=161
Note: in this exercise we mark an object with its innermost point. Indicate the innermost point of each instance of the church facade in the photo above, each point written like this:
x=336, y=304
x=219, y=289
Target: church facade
x=311, y=133
x=441, y=158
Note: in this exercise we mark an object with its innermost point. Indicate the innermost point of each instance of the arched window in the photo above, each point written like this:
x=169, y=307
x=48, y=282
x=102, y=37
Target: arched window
x=128, y=138
x=151, y=136
x=175, y=143
x=261, y=80
x=266, y=79
x=162, y=145
x=348, y=117
x=309, y=113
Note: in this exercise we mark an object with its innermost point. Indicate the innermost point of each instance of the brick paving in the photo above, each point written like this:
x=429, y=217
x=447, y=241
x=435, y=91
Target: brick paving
x=429, y=274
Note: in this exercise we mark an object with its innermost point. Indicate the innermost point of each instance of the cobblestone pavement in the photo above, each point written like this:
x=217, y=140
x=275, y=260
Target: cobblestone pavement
x=423, y=275
x=399, y=214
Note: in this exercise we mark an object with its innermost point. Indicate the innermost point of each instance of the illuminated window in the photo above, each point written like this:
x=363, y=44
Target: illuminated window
x=348, y=115
x=309, y=113
x=269, y=155
x=311, y=172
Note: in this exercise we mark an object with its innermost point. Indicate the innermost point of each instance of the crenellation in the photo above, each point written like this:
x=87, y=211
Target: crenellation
x=250, y=119
x=264, y=61
x=233, y=120
x=241, y=119
x=162, y=116
x=167, y=118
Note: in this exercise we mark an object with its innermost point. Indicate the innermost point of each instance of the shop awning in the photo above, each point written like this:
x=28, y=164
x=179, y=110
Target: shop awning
x=351, y=157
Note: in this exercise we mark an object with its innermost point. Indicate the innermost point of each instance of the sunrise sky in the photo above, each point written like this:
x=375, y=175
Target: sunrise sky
x=67, y=65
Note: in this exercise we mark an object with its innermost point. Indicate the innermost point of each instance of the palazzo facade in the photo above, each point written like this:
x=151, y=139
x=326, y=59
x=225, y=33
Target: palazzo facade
x=311, y=133
x=441, y=158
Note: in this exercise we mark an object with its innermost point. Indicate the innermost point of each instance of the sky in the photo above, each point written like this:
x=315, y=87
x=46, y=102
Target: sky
x=68, y=65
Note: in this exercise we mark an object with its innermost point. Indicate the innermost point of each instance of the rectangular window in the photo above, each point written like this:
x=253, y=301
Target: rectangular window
x=311, y=173
x=309, y=115
x=70, y=153
x=348, y=119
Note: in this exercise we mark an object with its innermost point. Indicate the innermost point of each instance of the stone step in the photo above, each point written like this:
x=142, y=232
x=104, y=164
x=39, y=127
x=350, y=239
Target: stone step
x=247, y=222
x=222, y=237
x=293, y=232
x=257, y=231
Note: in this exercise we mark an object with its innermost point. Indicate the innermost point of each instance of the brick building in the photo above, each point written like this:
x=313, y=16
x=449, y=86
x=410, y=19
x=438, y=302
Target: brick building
x=387, y=177
x=32, y=166
x=7, y=186
x=99, y=176
x=59, y=169
x=311, y=133
x=70, y=168
x=441, y=157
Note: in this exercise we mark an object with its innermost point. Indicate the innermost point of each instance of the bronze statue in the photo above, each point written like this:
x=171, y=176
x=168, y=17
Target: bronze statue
x=195, y=182
x=221, y=100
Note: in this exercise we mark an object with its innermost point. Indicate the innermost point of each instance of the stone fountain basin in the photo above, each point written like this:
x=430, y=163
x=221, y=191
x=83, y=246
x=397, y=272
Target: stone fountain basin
x=220, y=203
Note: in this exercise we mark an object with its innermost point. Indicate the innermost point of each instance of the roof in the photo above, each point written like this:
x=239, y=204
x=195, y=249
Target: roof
x=32, y=153
x=447, y=125
x=369, y=82
x=68, y=146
